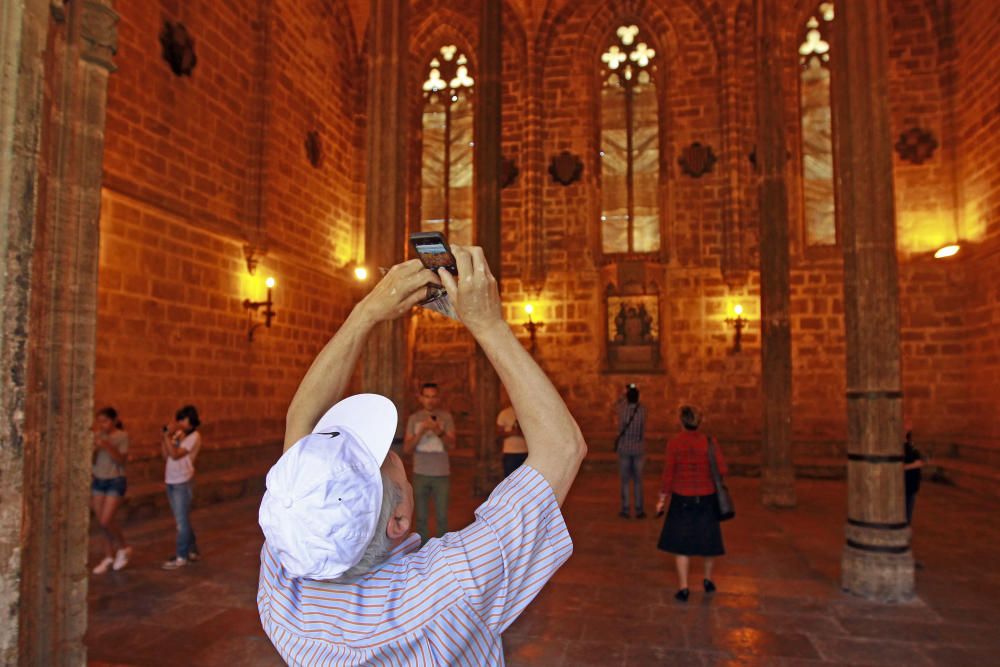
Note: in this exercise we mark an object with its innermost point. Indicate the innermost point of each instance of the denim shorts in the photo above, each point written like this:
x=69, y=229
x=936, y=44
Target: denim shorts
x=108, y=487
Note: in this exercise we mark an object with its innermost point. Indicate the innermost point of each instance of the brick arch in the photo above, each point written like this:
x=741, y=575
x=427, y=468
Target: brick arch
x=642, y=9
x=431, y=35
x=337, y=14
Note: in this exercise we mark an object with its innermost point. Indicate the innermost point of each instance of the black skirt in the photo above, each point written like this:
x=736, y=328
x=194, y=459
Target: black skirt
x=692, y=527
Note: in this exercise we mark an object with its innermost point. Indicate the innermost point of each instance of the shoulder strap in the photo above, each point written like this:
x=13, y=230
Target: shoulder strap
x=628, y=423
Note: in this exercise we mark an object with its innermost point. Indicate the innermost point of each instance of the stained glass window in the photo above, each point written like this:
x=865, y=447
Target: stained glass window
x=630, y=146
x=817, y=129
x=446, y=175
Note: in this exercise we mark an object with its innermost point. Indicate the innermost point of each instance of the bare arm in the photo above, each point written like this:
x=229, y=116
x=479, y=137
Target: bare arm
x=112, y=450
x=411, y=438
x=555, y=445
x=326, y=380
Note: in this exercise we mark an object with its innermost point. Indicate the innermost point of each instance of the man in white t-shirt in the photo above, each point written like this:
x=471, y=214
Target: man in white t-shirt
x=430, y=434
x=514, y=447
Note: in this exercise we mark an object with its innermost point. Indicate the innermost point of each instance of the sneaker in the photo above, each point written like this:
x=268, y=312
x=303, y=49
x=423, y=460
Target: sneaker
x=121, y=558
x=104, y=565
x=709, y=586
x=682, y=595
x=194, y=556
x=175, y=563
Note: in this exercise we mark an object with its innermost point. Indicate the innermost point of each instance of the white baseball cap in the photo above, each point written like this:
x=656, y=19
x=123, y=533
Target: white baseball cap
x=323, y=497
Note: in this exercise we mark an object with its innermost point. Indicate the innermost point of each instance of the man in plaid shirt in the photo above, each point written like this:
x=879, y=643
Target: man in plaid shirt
x=631, y=448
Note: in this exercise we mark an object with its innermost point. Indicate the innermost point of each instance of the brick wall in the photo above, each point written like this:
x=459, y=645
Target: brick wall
x=190, y=178
x=978, y=119
x=187, y=155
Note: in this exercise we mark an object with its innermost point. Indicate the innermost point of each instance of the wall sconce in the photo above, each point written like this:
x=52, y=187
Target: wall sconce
x=360, y=273
x=253, y=306
x=738, y=323
x=532, y=327
x=947, y=251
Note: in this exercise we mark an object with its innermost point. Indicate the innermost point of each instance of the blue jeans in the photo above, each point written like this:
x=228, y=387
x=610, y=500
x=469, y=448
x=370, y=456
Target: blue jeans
x=180, y=496
x=630, y=469
x=424, y=487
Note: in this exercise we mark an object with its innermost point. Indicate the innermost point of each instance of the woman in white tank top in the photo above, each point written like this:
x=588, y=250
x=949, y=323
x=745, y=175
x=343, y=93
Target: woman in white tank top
x=181, y=445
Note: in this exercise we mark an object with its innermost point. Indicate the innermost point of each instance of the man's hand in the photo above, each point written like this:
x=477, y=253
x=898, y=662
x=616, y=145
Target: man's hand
x=474, y=294
x=404, y=286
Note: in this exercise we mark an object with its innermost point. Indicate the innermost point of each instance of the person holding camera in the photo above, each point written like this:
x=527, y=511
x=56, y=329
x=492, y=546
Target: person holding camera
x=180, y=446
x=107, y=488
x=343, y=581
x=631, y=448
x=430, y=434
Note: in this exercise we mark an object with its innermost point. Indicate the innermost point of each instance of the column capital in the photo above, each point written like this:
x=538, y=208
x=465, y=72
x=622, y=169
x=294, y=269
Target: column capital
x=99, y=33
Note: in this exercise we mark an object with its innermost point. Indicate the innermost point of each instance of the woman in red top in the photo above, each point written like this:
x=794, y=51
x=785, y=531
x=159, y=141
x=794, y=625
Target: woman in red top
x=692, y=524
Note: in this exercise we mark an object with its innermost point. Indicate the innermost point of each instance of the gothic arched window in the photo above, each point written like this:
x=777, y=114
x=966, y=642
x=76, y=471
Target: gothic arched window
x=446, y=173
x=817, y=129
x=630, y=146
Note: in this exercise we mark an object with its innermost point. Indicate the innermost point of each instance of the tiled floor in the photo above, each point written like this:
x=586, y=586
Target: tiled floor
x=778, y=603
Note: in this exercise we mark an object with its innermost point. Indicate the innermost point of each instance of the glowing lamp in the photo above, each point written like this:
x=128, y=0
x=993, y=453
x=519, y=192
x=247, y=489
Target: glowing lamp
x=738, y=323
x=360, y=273
x=947, y=251
x=253, y=306
x=532, y=327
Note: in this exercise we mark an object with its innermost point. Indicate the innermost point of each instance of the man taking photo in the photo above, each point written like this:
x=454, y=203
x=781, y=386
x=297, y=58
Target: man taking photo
x=343, y=581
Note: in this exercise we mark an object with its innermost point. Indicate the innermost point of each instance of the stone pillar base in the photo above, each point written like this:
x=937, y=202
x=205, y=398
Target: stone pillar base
x=777, y=488
x=877, y=564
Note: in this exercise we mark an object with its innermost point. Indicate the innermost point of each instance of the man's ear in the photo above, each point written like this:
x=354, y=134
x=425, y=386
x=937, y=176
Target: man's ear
x=397, y=527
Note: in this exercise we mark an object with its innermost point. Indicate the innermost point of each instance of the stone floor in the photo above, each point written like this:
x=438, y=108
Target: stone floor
x=778, y=603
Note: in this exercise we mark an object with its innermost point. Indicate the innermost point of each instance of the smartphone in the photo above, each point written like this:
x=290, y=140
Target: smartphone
x=432, y=249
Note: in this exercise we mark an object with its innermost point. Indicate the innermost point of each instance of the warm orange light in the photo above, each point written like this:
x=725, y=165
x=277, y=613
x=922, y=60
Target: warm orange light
x=360, y=273
x=528, y=308
x=270, y=282
x=738, y=309
x=947, y=251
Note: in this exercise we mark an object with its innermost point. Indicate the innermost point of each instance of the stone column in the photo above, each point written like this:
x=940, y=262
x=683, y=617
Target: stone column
x=777, y=473
x=877, y=562
x=384, y=365
x=58, y=412
x=23, y=30
x=487, y=163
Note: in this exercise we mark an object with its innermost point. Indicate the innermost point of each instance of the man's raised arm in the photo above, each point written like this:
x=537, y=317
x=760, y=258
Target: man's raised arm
x=326, y=380
x=555, y=445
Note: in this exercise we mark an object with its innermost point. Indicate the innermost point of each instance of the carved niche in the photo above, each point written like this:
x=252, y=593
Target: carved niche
x=314, y=149
x=916, y=145
x=697, y=160
x=566, y=168
x=178, y=48
x=632, y=318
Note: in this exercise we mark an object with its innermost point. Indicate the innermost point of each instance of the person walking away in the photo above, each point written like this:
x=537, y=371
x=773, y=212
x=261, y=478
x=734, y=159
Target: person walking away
x=430, y=435
x=913, y=462
x=180, y=450
x=631, y=448
x=107, y=487
x=692, y=524
x=514, y=448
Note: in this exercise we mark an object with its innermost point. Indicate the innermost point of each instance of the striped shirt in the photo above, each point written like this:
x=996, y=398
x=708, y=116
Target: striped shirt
x=444, y=604
x=633, y=439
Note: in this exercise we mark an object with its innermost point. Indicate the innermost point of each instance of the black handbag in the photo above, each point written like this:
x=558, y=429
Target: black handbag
x=725, y=510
